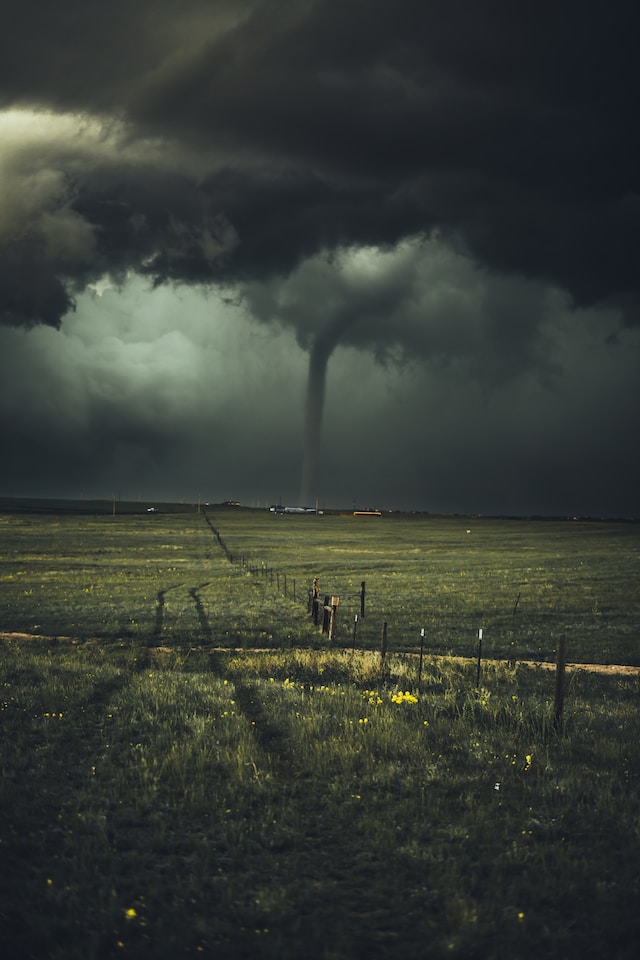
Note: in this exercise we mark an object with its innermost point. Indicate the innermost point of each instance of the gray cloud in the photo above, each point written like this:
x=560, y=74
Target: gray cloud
x=431, y=185
x=299, y=127
x=120, y=399
x=419, y=299
x=165, y=393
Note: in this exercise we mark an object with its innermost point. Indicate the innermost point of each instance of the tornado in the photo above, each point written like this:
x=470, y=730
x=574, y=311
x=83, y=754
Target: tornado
x=321, y=350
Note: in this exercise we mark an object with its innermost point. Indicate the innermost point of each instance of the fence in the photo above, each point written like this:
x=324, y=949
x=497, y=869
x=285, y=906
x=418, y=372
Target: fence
x=329, y=608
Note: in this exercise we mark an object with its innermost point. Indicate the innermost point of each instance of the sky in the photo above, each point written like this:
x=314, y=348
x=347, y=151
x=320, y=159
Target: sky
x=361, y=253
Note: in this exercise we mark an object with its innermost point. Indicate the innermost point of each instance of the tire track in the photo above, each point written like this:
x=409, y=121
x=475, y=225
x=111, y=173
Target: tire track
x=202, y=616
x=268, y=736
x=160, y=603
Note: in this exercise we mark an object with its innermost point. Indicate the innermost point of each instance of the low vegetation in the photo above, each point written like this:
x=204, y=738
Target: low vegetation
x=194, y=771
x=164, y=578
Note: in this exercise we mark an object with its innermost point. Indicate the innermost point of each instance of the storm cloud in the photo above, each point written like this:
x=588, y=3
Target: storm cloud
x=443, y=192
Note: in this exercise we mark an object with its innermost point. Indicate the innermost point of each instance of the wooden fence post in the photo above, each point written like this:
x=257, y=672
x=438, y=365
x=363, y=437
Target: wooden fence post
x=362, y=599
x=420, y=661
x=479, y=657
x=314, y=599
x=333, y=618
x=383, y=644
x=561, y=657
x=325, y=614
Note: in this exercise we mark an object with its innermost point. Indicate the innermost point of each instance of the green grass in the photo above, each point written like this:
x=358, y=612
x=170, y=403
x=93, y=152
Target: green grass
x=455, y=575
x=168, y=790
x=165, y=579
x=153, y=579
x=161, y=803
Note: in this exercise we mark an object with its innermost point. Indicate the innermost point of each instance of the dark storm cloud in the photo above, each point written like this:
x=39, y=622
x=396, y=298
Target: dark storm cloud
x=440, y=187
x=120, y=400
x=294, y=126
x=418, y=301
x=163, y=393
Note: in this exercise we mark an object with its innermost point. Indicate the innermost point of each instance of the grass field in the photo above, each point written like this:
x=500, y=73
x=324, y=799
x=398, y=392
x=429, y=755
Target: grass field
x=170, y=791
x=165, y=578
x=523, y=582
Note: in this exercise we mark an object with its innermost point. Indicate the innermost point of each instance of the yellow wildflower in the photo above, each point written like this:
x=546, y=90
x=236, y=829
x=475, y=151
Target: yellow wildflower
x=406, y=697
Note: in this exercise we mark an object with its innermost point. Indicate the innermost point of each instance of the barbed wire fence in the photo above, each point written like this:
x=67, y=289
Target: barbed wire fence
x=324, y=613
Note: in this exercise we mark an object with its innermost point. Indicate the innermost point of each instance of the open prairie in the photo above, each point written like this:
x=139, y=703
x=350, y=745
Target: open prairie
x=190, y=768
x=166, y=577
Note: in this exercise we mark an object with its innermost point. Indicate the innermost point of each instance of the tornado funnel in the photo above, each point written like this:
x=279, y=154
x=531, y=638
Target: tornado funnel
x=316, y=384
